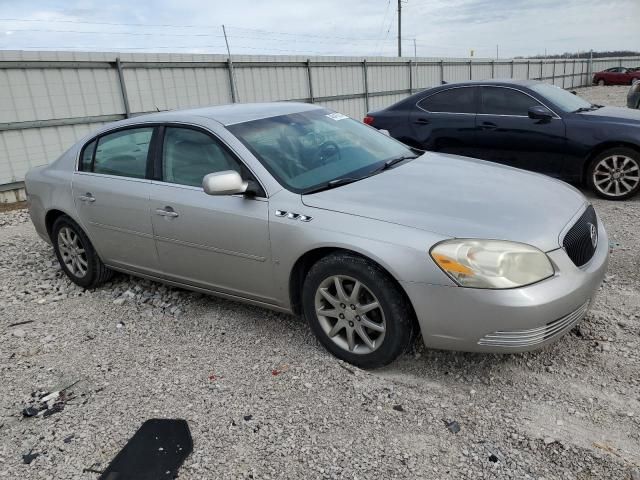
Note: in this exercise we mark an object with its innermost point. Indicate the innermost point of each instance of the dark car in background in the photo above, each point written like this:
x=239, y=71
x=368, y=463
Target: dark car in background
x=616, y=76
x=633, y=97
x=525, y=124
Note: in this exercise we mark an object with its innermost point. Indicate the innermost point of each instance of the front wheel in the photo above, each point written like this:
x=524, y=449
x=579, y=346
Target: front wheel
x=357, y=311
x=76, y=255
x=615, y=173
x=601, y=82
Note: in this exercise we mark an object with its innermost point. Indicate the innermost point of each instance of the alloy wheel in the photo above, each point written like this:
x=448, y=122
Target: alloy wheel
x=350, y=314
x=616, y=175
x=72, y=251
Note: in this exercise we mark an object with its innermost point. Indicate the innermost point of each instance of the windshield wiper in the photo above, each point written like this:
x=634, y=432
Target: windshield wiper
x=587, y=109
x=391, y=162
x=333, y=184
x=345, y=180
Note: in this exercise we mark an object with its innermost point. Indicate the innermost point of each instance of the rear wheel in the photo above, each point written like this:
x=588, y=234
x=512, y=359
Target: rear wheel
x=615, y=173
x=76, y=255
x=357, y=311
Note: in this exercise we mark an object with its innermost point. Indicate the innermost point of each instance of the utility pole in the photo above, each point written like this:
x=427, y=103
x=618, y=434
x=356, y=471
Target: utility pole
x=232, y=77
x=497, y=52
x=415, y=49
x=399, y=28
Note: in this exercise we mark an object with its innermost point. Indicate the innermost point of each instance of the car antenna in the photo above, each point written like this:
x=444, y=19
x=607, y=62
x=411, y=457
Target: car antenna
x=443, y=82
x=157, y=107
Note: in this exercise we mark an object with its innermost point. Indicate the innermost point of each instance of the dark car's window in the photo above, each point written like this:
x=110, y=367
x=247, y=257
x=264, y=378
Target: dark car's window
x=188, y=155
x=87, y=157
x=505, y=101
x=454, y=100
x=308, y=149
x=123, y=153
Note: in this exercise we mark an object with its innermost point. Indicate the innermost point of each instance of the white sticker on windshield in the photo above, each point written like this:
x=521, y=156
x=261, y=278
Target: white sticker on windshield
x=337, y=116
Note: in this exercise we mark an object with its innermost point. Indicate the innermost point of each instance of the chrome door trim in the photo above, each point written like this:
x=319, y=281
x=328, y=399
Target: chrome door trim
x=156, y=123
x=211, y=249
x=123, y=230
x=191, y=187
x=556, y=116
x=440, y=91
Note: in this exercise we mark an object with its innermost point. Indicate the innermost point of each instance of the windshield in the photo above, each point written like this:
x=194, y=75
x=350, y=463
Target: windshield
x=308, y=149
x=561, y=98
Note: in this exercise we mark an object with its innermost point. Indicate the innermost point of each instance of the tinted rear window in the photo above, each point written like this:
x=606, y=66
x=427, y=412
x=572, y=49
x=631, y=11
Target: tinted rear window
x=454, y=100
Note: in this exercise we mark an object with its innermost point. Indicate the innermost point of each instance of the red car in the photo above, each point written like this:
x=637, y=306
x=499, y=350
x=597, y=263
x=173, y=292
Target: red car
x=616, y=76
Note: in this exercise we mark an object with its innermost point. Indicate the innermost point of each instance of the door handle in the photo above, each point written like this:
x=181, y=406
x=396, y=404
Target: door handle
x=422, y=121
x=166, y=212
x=87, y=197
x=488, y=126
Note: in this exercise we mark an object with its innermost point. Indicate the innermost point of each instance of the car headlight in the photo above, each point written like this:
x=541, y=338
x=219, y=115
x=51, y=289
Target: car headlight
x=491, y=263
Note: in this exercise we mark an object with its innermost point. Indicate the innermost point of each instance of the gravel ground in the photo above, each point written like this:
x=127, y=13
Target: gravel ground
x=264, y=400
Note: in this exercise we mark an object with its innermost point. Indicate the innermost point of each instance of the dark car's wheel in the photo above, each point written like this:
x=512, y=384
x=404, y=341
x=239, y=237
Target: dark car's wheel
x=356, y=311
x=601, y=82
x=615, y=173
x=76, y=255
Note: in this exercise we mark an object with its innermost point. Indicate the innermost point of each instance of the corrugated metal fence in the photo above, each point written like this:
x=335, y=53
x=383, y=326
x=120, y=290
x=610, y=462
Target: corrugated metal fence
x=50, y=99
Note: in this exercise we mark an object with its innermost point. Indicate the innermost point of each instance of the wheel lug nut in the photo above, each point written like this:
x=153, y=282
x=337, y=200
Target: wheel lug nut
x=351, y=324
x=353, y=307
x=358, y=317
x=341, y=316
x=342, y=305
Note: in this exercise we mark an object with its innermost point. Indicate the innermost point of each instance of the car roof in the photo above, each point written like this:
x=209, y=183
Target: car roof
x=231, y=114
x=500, y=81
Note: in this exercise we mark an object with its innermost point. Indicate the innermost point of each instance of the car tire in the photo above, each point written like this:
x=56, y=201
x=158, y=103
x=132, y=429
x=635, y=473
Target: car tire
x=601, y=82
x=390, y=327
x=76, y=254
x=615, y=173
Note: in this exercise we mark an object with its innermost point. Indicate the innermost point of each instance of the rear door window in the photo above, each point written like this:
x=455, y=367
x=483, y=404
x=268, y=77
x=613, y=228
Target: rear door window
x=505, y=101
x=454, y=100
x=123, y=153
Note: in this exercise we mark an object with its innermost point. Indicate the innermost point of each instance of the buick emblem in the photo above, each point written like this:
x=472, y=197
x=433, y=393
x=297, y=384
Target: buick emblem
x=593, y=231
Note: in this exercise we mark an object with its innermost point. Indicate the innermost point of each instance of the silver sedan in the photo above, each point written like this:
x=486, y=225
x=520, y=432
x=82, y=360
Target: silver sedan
x=300, y=209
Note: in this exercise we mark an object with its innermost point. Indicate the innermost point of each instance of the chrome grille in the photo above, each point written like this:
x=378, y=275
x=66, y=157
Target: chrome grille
x=578, y=242
x=533, y=336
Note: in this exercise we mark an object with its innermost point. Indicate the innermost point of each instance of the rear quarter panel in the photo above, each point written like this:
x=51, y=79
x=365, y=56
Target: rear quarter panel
x=49, y=188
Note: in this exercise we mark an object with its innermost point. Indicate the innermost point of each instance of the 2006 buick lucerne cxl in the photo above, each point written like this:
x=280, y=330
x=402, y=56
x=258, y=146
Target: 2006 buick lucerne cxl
x=301, y=209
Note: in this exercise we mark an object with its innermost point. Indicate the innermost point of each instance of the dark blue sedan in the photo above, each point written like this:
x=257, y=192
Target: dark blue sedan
x=525, y=124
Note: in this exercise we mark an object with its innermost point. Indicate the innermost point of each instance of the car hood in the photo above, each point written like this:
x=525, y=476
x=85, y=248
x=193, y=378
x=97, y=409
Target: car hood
x=461, y=197
x=613, y=114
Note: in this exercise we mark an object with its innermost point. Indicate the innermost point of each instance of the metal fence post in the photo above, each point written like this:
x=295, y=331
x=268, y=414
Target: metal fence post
x=553, y=73
x=512, y=64
x=410, y=79
x=528, y=69
x=311, y=81
x=232, y=83
x=470, y=70
x=123, y=89
x=573, y=73
x=441, y=72
x=564, y=71
x=493, y=69
x=366, y=84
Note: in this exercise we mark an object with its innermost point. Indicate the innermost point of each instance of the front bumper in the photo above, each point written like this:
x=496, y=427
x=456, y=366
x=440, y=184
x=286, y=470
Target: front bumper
x=514, y=320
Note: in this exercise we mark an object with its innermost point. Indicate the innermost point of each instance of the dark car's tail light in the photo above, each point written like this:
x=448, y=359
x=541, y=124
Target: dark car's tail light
x=368, y=120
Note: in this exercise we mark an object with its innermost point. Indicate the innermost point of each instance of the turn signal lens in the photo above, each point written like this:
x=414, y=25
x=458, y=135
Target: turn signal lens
x=494, y=264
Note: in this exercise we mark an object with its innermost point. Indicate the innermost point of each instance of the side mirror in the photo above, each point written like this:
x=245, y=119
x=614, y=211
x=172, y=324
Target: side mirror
x=228, y=182
x=574, y=92
x=538, y=112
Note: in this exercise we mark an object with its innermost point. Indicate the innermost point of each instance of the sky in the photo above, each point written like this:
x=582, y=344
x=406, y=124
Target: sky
x=430, y=28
